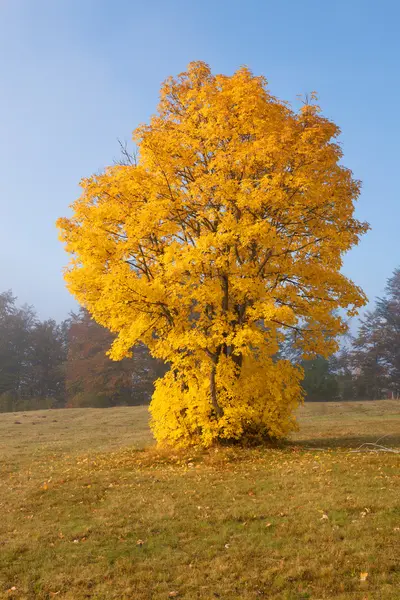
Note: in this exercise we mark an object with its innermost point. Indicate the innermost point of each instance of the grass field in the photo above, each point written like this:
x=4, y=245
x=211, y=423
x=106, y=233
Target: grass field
x=90, y=509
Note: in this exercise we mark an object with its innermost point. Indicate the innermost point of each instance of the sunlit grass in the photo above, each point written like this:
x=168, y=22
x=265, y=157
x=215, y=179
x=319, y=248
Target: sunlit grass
x=90, y=509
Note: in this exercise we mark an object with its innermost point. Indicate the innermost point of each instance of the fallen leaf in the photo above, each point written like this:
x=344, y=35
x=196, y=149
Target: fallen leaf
x=173, y=594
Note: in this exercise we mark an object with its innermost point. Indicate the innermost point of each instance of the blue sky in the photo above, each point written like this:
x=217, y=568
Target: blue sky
x=76, y=75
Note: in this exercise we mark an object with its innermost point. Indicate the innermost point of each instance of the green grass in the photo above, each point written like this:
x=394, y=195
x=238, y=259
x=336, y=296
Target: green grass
x=90, y=509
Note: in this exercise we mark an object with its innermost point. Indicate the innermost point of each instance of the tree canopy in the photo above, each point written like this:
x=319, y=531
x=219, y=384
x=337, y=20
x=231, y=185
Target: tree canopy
x=228, y=231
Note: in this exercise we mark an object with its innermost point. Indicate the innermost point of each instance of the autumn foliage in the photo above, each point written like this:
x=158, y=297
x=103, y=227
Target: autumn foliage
x=228, y=232
x=92, y=379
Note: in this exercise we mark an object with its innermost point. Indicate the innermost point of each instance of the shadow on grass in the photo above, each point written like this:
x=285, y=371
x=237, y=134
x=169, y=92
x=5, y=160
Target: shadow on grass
x=387, y=441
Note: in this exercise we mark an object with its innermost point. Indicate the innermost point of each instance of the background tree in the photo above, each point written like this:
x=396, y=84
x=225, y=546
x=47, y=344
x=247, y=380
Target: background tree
x=369, y=369
x=388, y=311
x=320, y=382
x=228, y=231
x=45, y=377
x=376, y=349
x=343, y=369
x=92, y=379
x=15, y=330
x=32, y=355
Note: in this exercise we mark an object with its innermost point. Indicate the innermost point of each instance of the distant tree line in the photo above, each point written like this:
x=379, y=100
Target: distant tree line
x=46, y=364
x=368, y=366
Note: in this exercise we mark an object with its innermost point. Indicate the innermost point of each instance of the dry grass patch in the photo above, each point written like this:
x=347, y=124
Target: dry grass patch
x=91, y=510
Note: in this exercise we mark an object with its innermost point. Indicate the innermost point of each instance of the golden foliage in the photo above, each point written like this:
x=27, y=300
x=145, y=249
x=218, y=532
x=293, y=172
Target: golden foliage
x=228, y=232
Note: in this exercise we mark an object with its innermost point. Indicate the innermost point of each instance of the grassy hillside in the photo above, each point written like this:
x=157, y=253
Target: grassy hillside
x=90, y=509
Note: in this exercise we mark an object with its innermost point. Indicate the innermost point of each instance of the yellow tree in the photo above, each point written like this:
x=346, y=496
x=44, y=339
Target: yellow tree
x=228, y=232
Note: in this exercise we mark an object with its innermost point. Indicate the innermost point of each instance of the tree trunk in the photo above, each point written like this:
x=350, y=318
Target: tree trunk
x=213, y=391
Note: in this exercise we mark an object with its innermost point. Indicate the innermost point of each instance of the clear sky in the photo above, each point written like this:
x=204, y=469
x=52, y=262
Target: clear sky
x=76, y=75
